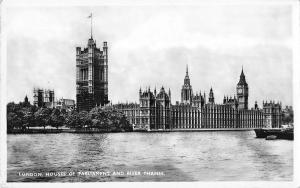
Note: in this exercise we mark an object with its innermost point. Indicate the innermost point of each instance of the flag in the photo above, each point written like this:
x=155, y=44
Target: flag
x=90, y=16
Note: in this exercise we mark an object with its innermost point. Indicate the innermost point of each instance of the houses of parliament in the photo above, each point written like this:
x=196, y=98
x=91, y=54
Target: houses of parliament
x=155, y=110
x=198, y=111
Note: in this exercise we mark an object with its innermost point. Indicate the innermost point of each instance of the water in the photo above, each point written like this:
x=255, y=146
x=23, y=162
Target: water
x=177, y=156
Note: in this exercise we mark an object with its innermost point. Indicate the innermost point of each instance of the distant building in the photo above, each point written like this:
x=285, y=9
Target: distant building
x=26, y=101
x=65, y=104
x=43, y=98
x=91, y=76
x=49, y=99
x=38, y=97
x=273, y=114
x=156, y=112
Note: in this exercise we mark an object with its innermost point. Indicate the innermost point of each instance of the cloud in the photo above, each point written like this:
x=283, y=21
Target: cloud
x=151, y=45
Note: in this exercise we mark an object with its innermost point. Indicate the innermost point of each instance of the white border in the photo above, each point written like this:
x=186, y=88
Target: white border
x=221, y=184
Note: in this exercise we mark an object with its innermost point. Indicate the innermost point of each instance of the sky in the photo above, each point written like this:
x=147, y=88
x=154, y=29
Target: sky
x=151, y=46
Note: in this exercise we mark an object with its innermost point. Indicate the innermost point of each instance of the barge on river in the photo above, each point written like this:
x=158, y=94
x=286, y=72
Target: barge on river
x=280, y=133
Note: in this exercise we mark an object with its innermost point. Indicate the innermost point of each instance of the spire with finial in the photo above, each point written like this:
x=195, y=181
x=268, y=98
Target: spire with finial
x=242, y=80
x=242, y=73
x=26, y=100
x=187, y=79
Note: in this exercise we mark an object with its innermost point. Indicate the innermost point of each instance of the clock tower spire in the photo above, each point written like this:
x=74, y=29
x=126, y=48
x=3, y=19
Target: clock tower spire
x=242, y=92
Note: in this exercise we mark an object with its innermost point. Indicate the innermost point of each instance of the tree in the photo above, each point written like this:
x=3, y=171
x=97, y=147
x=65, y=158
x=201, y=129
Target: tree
x=97, y=116
x=12, y=107
x=27, y=117
x=13, y=121
x=42, y=117
x=57, y=119
x=72, y=119
x=288, y=116
x=108, y=119
x=84, y=120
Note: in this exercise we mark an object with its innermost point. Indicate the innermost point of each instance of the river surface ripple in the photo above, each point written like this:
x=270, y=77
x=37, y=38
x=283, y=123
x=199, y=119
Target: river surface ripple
x=181, y=156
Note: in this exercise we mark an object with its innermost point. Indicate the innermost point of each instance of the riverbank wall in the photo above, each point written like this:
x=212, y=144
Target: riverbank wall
x=86, y=131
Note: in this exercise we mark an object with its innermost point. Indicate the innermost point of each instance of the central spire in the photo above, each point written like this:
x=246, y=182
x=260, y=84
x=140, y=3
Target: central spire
x=187, y=79
x=186, y=91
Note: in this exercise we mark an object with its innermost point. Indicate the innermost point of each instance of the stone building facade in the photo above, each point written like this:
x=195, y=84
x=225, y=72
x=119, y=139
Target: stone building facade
x=152, y=112
x=65, y=104
x=132, y=112
x=91, y=76
x=273, y=114
x=155, y=111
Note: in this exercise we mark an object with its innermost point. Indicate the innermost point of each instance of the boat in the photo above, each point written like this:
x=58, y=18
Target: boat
x=271, y=137
x=280, y=133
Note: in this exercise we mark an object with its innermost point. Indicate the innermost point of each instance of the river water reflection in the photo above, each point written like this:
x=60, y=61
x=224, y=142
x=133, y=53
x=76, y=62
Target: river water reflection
x=180, y=156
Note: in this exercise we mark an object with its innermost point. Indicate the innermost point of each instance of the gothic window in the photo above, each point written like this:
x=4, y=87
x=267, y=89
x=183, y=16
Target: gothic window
x=90, y=73
x=102, y=75
x=186, y=95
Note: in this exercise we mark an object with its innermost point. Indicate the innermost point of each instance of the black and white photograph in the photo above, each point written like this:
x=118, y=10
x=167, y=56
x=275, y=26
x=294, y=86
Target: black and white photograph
x=149, y=92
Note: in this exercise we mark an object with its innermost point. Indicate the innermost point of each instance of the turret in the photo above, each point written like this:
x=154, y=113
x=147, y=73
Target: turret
x=105, y=49
x=255, y=105
x=211, y=98
x=170, y=94
x=140, y=92
x=78, y=50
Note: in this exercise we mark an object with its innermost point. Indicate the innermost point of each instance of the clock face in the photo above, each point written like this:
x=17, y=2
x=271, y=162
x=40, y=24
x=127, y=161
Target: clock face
x=240, y=91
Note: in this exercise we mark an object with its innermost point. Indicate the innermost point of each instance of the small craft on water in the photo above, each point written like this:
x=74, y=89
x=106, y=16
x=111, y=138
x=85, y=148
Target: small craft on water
x=280, y=133
x=271, y=137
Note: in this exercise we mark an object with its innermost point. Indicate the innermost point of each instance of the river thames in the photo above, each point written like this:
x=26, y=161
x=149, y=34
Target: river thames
x=167, y=156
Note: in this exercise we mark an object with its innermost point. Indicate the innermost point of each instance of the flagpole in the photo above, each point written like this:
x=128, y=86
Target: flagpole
x=91, y=25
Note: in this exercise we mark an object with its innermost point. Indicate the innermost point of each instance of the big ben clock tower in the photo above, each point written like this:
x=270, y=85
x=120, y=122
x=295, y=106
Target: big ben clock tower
x=242, y=92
